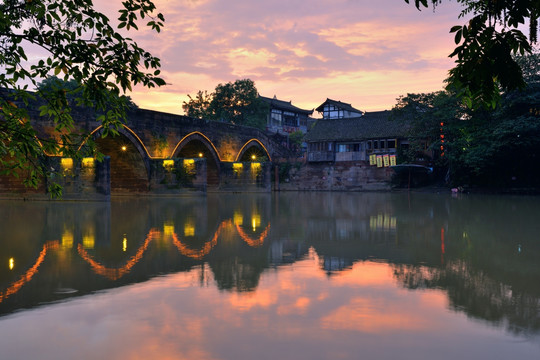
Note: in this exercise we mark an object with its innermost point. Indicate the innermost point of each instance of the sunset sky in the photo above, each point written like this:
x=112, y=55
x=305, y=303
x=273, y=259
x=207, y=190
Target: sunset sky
x=366, y=53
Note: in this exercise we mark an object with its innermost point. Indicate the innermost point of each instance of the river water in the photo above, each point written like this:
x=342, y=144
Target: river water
x=272, y=276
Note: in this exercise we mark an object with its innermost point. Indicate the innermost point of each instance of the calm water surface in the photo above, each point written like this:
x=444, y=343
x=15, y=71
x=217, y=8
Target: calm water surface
x=260, y=276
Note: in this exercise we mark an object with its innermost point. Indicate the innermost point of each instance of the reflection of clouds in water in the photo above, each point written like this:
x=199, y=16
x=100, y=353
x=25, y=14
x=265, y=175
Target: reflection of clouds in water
x=372, y=316
x=279, y=290
x=320, y=317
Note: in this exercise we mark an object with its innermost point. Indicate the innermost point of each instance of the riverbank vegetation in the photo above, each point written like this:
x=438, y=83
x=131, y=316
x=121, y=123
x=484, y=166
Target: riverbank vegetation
x=487, y=45
x=480, y=147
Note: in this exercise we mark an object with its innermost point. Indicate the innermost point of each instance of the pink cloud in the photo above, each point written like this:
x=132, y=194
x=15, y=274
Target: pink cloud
x=313, y=43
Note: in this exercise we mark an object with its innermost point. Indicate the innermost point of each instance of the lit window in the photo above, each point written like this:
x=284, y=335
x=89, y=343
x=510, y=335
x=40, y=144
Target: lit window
x=189, y=166
x=67, y=165
x=88, y=162
x=168, y=164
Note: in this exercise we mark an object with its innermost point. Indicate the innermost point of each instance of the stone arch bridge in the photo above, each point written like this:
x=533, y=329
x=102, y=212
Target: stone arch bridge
x=165, y=153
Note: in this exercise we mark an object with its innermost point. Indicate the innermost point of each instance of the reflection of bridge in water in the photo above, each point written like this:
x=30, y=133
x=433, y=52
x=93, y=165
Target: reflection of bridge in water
x=153, y=234
x=16, y=286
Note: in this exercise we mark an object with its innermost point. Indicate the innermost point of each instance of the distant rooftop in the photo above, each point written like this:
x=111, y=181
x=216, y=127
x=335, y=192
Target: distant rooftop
x=372, y=125
x=284, y=105
x=339, y=105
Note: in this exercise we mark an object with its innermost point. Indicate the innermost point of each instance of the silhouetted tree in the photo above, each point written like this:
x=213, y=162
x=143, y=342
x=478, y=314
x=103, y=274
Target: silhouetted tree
x=237, y=103
x=486, y=45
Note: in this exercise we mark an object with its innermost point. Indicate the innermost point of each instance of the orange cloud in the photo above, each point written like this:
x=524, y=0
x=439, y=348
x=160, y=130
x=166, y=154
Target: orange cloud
x=373, y=54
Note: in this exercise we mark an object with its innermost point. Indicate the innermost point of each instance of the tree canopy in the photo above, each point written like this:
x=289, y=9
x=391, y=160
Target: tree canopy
x=485, y=47
x=81, y=45
x=483, y=147
x=237, y=103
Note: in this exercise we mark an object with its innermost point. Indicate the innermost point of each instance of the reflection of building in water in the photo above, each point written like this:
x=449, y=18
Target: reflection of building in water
x=67, y=239
x=383, y=222
x=333, y=263
x=340, y=241
x=89, y=238
x=380, y=227
x=286, y=251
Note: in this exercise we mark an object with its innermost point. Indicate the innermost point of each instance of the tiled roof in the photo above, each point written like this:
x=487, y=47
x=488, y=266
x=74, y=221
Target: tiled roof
x=339, y=105
x=372, y=125
x=284, y=105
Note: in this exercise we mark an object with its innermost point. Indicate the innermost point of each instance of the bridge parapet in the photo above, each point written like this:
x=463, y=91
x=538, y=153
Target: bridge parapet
x=162, y=134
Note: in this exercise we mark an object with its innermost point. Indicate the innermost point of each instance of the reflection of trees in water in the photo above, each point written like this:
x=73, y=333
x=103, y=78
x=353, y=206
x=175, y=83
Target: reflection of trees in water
x=236, y=274
x=476, y=293
x=482, y=251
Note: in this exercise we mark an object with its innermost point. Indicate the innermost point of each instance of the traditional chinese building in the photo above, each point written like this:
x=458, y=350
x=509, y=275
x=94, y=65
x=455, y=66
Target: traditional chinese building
x=340, y=137
x=284, y=117
x=332, y=109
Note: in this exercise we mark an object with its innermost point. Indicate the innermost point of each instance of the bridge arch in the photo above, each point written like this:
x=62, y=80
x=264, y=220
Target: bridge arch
x=198, y=145
x=129, y=159
x=253, y=147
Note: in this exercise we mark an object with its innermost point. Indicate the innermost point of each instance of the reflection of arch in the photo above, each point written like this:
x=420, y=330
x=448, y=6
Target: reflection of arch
x=199, y=254
x=250, y=144
x=253, y=243
x=31, y=272
x=115, y=274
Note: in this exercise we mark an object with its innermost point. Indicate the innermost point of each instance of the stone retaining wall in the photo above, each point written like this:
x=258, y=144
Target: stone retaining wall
x=340, y=176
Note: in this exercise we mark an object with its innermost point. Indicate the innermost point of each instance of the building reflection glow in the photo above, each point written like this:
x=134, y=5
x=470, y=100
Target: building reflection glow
x=89, y=239
x=168, y=229
x=382, y=222
x=189, y=228
x=255, y=221
x=67, y=239
x=238, y=218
